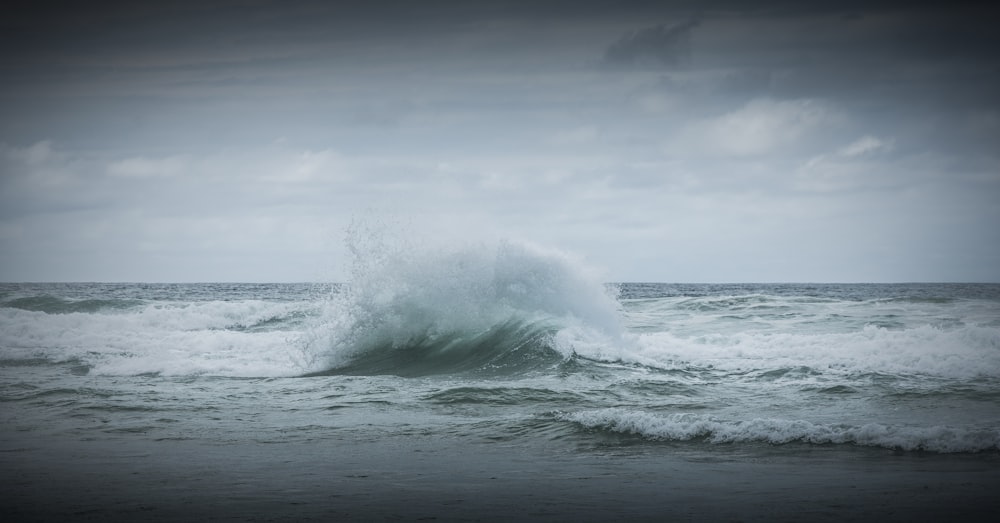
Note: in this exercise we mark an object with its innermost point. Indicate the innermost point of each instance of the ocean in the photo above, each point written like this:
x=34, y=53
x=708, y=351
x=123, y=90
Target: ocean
x=494, y=384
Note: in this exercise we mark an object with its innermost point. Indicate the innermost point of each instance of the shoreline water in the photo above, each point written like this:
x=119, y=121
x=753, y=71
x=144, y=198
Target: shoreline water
x=421, y=478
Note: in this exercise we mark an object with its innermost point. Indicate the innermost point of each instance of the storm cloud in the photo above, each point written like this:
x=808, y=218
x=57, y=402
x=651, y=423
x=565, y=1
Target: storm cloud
x=669, y=141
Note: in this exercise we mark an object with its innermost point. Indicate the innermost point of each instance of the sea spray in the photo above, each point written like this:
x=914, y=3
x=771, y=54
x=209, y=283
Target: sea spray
x=416, y=307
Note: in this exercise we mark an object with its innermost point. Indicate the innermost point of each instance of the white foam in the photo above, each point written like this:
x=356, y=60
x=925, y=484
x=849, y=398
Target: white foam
x=686, y=426
x=164, y=338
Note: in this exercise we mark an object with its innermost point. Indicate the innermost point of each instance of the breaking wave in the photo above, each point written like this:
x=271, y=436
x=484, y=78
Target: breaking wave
x=687, y=427
x=418, y=310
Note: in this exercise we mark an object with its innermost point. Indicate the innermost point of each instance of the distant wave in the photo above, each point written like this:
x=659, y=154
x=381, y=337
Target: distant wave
x=55, y=305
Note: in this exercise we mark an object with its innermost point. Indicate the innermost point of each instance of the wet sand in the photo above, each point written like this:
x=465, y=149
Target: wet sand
x=434, y=479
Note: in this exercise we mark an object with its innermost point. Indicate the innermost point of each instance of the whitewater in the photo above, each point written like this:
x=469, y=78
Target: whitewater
x=497, y=382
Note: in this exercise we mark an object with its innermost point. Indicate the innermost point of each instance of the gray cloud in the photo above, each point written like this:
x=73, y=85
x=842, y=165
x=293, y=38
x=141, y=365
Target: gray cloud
x=659, y=45
x=165, y=142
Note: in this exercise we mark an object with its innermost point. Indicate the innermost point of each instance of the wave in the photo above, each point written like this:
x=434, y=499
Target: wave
x=56, y=305
x=413, y=310
x=688, y=427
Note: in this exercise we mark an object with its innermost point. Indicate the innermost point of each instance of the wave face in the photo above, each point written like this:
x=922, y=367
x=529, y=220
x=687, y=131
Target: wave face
x=509, y=348
x=508, y=308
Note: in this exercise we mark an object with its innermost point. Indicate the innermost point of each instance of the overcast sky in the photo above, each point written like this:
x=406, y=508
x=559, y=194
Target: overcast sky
x=709, y=141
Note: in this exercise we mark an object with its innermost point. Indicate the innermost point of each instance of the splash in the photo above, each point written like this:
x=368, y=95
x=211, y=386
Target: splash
x=413, y=307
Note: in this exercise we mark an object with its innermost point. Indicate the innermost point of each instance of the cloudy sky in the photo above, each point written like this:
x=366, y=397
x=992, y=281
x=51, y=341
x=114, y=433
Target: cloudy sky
x=716, y=141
